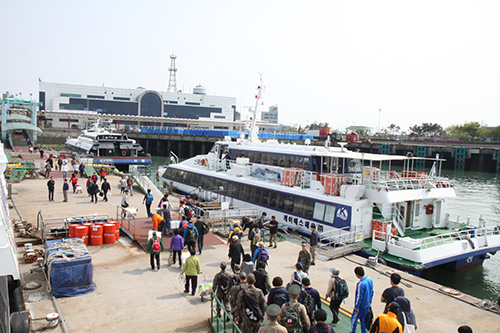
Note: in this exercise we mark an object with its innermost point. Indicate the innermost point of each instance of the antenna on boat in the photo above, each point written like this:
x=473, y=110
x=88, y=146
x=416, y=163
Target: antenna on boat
x=253, y=136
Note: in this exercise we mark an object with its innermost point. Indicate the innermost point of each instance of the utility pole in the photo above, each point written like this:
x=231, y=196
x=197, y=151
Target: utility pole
x=172, y=82
x=379, y=111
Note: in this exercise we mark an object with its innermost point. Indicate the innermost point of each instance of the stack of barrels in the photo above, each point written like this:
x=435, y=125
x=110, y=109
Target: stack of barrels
x=95, y=233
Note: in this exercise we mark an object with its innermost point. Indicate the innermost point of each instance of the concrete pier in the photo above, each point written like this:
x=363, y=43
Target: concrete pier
x=130, y=297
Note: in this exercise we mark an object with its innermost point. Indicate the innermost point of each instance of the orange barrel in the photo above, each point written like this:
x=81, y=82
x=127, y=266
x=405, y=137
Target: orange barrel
x=109, y=233
x=96, y=233
x=117, y=230
x=88, y=224
x=83, y=233
x=71, y=230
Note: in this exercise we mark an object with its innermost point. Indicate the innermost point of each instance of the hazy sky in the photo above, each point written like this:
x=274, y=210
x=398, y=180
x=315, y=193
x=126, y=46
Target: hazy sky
x=334, y=61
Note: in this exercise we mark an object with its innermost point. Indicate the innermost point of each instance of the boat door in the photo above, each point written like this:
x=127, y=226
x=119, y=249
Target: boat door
x=405, y=211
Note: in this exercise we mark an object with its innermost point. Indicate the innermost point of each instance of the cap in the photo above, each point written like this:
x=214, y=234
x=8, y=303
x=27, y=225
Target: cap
x=299, y=265
x=334, y=271
x=294, y=290
x=235, y=238
x=150, y=214
x=273, y=310
x=304, y=244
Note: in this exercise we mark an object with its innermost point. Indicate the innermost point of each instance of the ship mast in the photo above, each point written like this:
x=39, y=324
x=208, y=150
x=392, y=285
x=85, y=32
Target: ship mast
x=253, y=136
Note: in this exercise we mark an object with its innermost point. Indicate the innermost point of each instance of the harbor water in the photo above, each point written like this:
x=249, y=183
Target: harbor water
x=478, y=193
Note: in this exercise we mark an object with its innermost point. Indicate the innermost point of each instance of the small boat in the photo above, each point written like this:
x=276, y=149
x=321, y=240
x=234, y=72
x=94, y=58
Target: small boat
x=385, y=204
x=108, y=147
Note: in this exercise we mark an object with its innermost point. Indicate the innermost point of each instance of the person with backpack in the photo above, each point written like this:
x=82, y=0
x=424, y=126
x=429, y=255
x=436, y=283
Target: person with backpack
x=261, y=254
x=185, y=212
x=236, y=231
x=176, y=246
x=389, y=294
x=255, y=237
x=235, y=290
x=293, y=314
x=203, y=229
x=221, y=288
x=190, y=236
x=167, y=216
x=262, y=278
x=337, y=291
x=321, y=326
x=298, y=275
x=236, y=252
x=105, y=188
x=250, y=307
x=406, y=315
x=278, y=294
x=273, y=311
x=182, y=226
x=310, y=298
x=148, y=200
x=192, y=268
x=155, y=246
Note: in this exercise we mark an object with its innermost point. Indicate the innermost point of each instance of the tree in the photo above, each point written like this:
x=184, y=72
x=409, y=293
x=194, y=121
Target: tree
x=468, y=131
x=426, y=129
x=393, y=129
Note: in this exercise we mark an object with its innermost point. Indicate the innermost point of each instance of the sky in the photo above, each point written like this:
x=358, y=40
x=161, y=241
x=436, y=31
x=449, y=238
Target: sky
x=330, y=61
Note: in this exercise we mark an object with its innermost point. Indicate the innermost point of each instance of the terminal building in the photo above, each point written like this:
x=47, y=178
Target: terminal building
x=59, y=101
x=270, y=116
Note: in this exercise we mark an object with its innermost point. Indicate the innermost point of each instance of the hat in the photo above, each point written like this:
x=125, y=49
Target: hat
x=273, y=310
x=304, y=244
x=294, y=290
x=299, y=265
x=235, y=238
x=334, y=271
x=150, y=214
x=394, y=307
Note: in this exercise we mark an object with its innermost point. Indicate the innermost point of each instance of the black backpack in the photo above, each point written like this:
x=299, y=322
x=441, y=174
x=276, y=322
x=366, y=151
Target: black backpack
x=280, y=299
x=224, y=283
x=252, y=309
x=309, y=304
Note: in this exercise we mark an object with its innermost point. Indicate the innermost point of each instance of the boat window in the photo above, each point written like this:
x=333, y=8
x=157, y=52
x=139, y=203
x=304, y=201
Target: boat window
x=290, y=161
x=298, y=206
x=281, y=201
x=265, y=197
x=288, y=203
x=273, y=199
x=256, y=193
x=417, y=209
x=281, y=161
x=257, y=157
x=316, y=164
x=274, y=159
x=308, y=208
x=265, y=158
x=329, y=214
x=319, y=211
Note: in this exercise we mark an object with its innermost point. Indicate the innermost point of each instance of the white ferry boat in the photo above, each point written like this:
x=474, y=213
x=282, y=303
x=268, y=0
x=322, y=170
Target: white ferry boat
x=108, y=147
x=377, y=200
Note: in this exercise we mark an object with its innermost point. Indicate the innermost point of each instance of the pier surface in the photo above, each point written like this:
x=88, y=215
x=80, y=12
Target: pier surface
x=130, y=297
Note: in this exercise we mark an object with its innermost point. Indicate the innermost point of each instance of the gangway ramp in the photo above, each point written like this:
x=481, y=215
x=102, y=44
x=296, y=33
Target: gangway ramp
x=144, y=183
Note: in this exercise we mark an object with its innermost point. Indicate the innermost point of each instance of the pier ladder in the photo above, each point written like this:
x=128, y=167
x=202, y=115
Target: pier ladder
x=421, y=152
x=460, y=155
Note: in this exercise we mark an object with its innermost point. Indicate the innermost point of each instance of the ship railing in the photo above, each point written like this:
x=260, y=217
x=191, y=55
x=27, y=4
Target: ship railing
x=340, y=237
x=392, y=181
x=381, y=239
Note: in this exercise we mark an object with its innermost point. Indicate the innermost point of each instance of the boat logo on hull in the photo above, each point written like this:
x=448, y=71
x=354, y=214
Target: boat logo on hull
x=343, y=214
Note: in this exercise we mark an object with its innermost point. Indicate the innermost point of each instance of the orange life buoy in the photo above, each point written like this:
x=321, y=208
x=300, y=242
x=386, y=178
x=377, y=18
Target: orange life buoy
x=204, y=162
x=124, y=152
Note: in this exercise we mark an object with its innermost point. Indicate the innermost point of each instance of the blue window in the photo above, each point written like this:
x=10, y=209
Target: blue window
x=121, y=98
x=95, y=96
x=151, y=105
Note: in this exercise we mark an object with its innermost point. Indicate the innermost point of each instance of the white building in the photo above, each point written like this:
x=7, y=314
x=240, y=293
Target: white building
x=271, y=116
x=131, y=102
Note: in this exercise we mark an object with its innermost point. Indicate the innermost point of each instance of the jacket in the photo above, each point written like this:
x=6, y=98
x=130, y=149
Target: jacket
x=192, y=266
x=177, y=243
x=186, y=231
x=271, y=299
x=364, y=293
x=150, y=245
x=386, y=323
x=256, y=255
x=157, y=219
x=236, y=250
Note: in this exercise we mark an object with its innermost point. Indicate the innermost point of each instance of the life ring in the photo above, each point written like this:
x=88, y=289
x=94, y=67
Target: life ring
x=124, y=152
x=204, y=162
x=394, y=175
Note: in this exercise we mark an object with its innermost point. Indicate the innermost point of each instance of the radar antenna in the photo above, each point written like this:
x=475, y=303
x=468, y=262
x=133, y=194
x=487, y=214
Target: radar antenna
x=253, y=136
x=172, y=82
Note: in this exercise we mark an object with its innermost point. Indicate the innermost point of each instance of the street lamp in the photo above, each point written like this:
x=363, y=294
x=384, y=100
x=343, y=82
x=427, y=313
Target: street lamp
x=379, y=110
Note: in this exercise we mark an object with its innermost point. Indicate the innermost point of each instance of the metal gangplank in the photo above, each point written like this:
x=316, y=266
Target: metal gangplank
x=219, y=219
x=143, y=181
x=340, y=242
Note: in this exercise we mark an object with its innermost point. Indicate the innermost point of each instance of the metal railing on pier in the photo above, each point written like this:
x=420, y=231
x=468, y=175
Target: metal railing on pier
x=223, y=322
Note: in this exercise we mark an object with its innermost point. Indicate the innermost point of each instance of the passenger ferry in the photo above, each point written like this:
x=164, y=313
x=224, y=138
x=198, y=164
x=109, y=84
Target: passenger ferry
x=379, y=201
x=108, y=147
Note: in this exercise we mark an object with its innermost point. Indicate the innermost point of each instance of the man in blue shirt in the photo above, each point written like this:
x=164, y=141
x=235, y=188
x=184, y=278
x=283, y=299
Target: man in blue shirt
x=364, y=296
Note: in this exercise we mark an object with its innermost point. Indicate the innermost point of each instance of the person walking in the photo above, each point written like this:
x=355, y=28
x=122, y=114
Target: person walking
x=102, y=173
x=335, y=293
x=221, y=288
x=262, y=278
x=406, y=315
x=157, y=221
x=148, y=200
x=236, y=252
x=176, y=246
x=64, y=167
x=191, y=268
x=389, y=294
x=74, y=181
x=190, y=236
x=273, y=311
x=235, y=290
x=202, y=228
x=167, y=217
x=261, y=254
x=122, y=184
x=298, y=275
x=388, y=322
x=48, y=168
x=155, y=247
x=105, y=187
x=130, y=185
x=247, y=265
x=321, y=326
x=65, y=190
x=255, y=237
x=249, y=317
x=94, y=189
x=273, y=231
x=51, y=184
x=362, y=301
x=313, y=241
x=293, y=314
x=304, y=258
x=278, y=294
x=81, y=168
x=125, y=203
x=310, y=297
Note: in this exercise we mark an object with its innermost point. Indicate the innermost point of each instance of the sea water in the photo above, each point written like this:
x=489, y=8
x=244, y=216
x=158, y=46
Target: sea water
x=477, y=194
